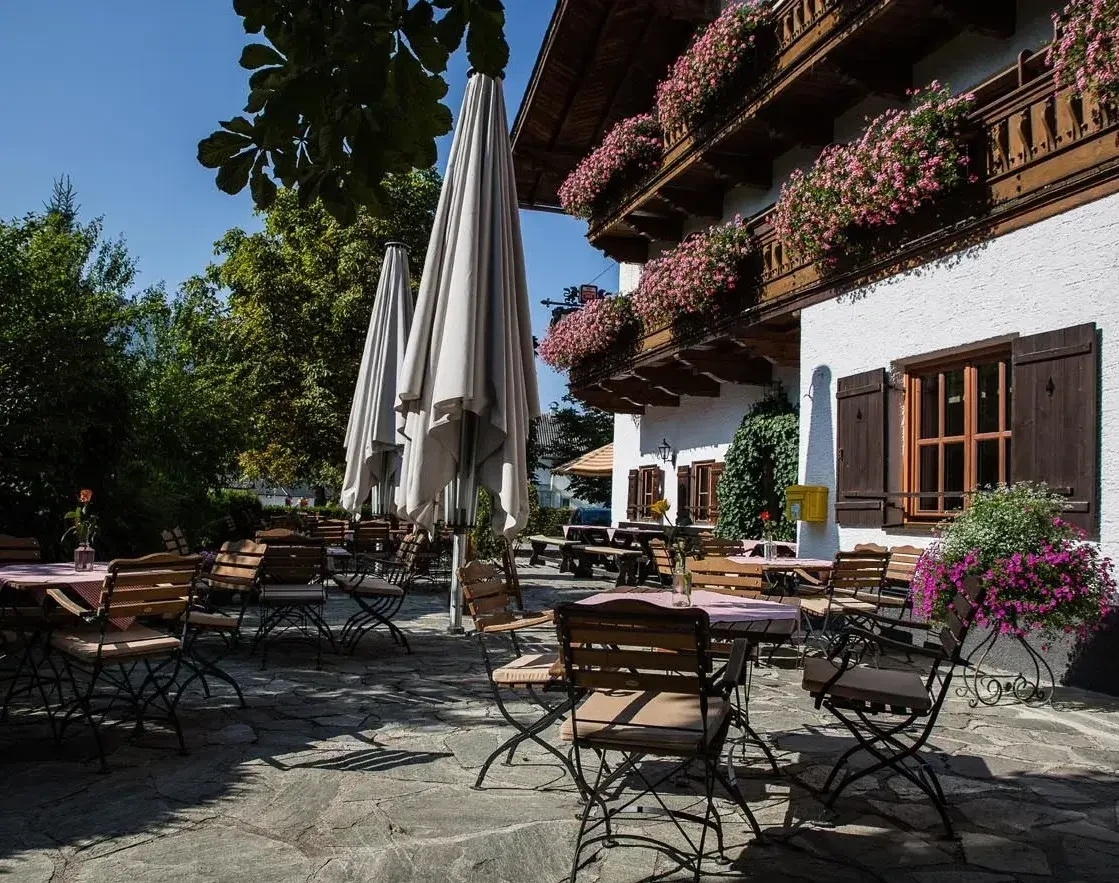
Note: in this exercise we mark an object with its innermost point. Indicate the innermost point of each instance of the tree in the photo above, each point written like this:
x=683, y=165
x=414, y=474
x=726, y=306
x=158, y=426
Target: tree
x=345, y=93
x=580, y=430
x=300, y=294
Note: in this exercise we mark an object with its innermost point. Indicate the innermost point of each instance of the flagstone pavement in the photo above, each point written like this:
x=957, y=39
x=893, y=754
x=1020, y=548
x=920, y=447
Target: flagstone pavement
x=362, y=771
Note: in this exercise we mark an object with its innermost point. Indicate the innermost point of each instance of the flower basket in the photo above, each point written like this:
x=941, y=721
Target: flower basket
x=1085, y=53
x=630, y=152
x=601, y=328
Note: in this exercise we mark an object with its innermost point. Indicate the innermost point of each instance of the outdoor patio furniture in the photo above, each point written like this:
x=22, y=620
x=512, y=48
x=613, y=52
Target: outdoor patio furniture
x=662, y=561
x=713, y=545
x=18, y=549
x=540, y=546
x=625, y=560
x=857, y=695
x=379, y=595
x=236, y=572
x=653, y=693
x=283, y=536
x=100, y=658
x=371, y=539
x=293, y=592
x=528, y=674
x=852, y=586
x=175, y=541
x=331, y=531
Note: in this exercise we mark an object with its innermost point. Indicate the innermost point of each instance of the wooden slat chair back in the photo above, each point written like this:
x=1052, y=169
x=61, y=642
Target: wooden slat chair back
x=903, y=562
x=371, y=537
x=486, y=593
x=237, y=566
x=718, y=546
x=727, y=577
x=859, y=574
x=282, y=536
x=295, y=565
x=158, y=585
x=18, y=550
x=662, y=560
x=331, y=531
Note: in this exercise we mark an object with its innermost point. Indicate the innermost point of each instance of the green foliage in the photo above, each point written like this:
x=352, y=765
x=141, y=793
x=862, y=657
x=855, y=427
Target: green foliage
x=1001, y=522
x=579, y=431
x=300, y=294
x=760, y=464
x=103, y=389
x=488, y=546
x=345, y=94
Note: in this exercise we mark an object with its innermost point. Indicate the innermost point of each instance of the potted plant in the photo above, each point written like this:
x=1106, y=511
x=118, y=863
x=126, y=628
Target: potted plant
x=1040, y=573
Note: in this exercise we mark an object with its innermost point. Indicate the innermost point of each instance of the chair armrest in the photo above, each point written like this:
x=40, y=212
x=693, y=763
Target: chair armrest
x=897, y=622
x=861, y=634
x=808, y=579
x=545, y=617
x=68, y=604
x=735, y=670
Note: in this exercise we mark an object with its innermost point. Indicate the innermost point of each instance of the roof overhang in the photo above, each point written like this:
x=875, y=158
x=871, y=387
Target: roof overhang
x=600, y=63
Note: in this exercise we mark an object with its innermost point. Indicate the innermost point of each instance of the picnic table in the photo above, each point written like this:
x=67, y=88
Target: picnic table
x=540, y=544
x=626, y=560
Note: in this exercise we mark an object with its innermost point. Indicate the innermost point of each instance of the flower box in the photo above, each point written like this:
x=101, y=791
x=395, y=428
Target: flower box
x=629, y=153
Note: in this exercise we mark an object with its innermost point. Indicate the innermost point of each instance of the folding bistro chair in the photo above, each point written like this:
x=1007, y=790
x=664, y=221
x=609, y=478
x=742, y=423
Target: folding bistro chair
x=236, y=572
x=662, y=561
x=859, y=695
x=530, y=674
x=653, y=693
x=113, y=644
x=379, y=596
x=293, y=592
x=853, y=587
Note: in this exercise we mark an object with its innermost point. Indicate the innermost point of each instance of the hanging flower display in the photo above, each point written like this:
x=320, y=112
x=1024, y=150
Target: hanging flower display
x=689, y=278
x=590, y=330
x=903, y=160
x=1086, y=51
x=1039, y=572
x=701, y=77
x=629, y=152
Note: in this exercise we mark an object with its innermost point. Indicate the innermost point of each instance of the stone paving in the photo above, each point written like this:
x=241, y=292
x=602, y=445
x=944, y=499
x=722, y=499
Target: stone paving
x=363, y=771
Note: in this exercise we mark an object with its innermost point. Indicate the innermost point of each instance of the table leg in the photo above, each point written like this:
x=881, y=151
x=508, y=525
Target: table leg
x=582, y=567
x=534, y=559
x=625, y=571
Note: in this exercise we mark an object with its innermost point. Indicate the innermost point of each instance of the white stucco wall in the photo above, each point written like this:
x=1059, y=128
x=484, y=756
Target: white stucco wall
x=699, y=430
x=1060, y=272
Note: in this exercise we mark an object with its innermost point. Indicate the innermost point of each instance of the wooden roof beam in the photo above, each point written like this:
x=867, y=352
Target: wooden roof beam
x=624, y=249
x=605, y=402
x=993, y=18
x=639, y=393
x=657, y=229
x=677, y=380
x=701, y=204
x=780, y=349
x=728, y=368
x=695, y=12
x=741, y=170
x=877, y=76
x=809, y=130
x=542, y=159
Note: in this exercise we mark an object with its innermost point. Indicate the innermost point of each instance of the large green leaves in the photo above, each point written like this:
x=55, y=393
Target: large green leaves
x=345, y=93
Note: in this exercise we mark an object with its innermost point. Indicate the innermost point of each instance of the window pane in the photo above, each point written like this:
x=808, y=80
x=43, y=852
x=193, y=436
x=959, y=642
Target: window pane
x=954, y=402
x=1006, y=459
x=987, y=463
x=953, y=474
x=987, y=384
x=930, y=477
x=930, y=406
x=1006, y=403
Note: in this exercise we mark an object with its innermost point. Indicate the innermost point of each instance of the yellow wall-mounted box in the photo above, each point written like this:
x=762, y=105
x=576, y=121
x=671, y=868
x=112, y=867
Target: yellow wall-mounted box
x=806, y=502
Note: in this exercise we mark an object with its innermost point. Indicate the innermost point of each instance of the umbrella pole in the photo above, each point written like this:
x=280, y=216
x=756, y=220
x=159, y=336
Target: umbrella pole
x=462, y=509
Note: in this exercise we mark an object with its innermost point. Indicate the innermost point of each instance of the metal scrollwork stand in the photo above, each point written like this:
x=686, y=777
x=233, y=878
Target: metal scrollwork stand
x=990, y=689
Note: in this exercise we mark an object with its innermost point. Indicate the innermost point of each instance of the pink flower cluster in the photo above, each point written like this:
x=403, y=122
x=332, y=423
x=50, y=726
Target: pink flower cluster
x=629, y=152
x=1063, y=586
x=701, y=76
x=590, y=330
x=1086, y=51
x=904, y=159
x=688, y=278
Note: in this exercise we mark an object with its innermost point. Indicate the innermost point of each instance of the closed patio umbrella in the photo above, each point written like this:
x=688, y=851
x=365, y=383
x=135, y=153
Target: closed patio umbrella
x=373, y=434
x=468, y=385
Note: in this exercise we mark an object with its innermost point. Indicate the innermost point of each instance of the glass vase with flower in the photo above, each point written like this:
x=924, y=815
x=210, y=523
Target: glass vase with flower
x=769, y=535
x=681, y=546
x=83, y=525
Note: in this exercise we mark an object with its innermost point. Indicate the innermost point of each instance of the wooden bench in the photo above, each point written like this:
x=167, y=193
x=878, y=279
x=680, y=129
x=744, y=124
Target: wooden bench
x=540, y=545
x=627, y=561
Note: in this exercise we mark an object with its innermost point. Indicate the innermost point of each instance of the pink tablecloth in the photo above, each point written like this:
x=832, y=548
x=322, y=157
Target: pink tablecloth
x=35, y=579
x=720, y=608
x=784, y=564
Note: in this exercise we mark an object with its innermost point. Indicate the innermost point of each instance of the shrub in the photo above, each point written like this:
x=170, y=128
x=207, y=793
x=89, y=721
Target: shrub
x=629, y=152
x=1086, y=51
x=594, y=328
x=1039, y=572
x=691, y=277
x=903, y=160
x=760, y=463
x=703, y=76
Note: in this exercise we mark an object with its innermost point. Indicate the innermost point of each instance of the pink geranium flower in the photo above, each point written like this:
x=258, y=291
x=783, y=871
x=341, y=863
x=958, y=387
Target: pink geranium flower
x=629, y=152
x=1086, y=51
x=590, y=330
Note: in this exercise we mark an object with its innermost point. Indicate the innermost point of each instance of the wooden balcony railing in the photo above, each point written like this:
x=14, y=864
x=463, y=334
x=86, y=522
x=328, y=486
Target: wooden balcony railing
x=1045, y=150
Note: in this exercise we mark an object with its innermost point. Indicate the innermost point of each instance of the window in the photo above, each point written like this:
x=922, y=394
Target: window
x=646, y=486
x=958, y=432
x=699, y=497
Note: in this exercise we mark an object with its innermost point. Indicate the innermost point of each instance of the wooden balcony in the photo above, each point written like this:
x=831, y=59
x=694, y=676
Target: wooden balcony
x=1042, y=152
x=830, y=55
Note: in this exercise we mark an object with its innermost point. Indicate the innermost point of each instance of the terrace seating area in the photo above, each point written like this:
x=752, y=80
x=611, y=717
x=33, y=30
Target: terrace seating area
x=368, y=768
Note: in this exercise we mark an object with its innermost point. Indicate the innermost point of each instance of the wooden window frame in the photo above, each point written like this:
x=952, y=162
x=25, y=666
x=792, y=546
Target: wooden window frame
x=704, y=480
x=968, y=361
x=649, y=479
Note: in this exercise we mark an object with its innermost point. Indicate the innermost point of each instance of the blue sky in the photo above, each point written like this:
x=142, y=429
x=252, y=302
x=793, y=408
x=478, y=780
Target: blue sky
x=117, y=94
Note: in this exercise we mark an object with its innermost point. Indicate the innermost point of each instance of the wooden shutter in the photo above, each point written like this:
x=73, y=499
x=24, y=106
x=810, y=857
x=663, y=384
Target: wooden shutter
x=716, y=474
x=633, y=495
x=860, y=456
x=1055, y=420
x=684, y=493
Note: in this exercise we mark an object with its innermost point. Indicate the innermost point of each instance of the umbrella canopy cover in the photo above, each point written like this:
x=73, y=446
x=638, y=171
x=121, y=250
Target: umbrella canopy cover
x=599, y=463
x=374, y=433
x=470, y=351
